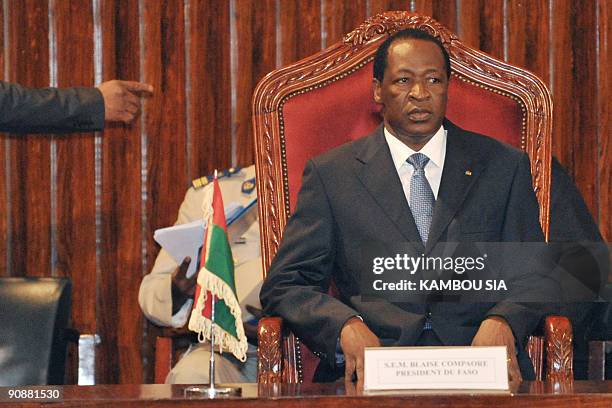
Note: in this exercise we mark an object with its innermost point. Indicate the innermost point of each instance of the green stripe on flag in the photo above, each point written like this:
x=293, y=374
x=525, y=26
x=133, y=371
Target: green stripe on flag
x=221, y=263
x=224, y=318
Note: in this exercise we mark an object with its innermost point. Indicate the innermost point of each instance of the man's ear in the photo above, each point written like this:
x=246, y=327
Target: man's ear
x=376, y=91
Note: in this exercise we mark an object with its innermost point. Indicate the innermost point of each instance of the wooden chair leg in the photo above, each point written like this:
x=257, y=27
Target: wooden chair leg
x=269, y=350
x=535, y=350
x=559, y=349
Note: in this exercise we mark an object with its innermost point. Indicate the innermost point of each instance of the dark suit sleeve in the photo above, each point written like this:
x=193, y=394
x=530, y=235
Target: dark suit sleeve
x=299, y=277
x=535, y=287
x=570, y=220
x=583, y=260
x=50, y=110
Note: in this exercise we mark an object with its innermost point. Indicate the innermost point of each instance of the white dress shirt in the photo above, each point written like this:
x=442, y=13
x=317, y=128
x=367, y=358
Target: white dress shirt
x=435, y=149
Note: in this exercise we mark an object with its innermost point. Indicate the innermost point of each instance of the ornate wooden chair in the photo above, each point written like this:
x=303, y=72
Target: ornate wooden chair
x=325, y=100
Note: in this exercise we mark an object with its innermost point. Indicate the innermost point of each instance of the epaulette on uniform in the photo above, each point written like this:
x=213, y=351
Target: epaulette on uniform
x=203, y=181
x=248, y=186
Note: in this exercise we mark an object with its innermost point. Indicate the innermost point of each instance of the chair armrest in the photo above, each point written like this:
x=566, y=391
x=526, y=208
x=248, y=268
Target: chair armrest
x=557, y=346
x=279, y=359
x=559, y=349
x=269, y=350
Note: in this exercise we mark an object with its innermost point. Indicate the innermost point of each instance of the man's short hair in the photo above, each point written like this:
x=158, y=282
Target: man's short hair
x=380, y=59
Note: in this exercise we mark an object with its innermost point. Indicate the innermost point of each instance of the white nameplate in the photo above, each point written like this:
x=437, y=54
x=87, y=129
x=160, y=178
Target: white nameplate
x=435, y=368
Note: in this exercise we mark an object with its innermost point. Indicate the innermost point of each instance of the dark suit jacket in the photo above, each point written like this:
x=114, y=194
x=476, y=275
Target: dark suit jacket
x=352, y=195
x=582, y=256
x=50, y=110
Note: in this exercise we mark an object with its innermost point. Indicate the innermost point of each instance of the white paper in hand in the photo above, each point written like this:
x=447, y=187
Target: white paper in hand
x=181, y=241
x=186, y=239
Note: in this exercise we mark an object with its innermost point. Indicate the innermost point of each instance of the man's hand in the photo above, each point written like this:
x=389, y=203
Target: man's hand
x=121, y=99
x=354, y=337
x=495, y=331
x=183, y=287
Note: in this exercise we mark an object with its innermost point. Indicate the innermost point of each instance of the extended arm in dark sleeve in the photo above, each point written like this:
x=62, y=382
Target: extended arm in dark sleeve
x=50, y=110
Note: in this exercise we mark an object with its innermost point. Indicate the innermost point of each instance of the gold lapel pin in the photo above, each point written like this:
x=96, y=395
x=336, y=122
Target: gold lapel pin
x=468, y=172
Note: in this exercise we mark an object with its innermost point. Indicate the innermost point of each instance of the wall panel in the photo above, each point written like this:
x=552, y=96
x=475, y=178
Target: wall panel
x=422, y=7
x=164, y=130
x=340, y=17
x=4, y=169
x=585, y=146
x=300, y=29
x=86, y=206
x=29, y=155
x=378, y=6
x=209, y=89
x=492, y=27
x=528, y=28
x=445, y=11
x=561, y=82
x=604, y=61
x=118, y=321
x=164, y=137
x=253, y=56
x=468, y=27
x=75, y=166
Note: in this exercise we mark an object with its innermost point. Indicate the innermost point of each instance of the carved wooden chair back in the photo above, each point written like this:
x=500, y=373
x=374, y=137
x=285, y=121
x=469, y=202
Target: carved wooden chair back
x=326, y=99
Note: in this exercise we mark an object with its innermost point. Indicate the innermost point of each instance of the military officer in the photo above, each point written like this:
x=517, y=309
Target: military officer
x=166, y=294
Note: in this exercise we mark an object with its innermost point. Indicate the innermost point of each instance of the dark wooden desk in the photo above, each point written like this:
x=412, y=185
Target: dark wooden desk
x=529, y=395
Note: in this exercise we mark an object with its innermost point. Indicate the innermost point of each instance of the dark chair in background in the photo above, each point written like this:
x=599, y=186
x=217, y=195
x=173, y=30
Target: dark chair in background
x=34, y=316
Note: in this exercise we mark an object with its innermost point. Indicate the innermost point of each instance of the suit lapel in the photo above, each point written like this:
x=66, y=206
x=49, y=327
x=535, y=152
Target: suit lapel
x=461, y=170
x=378, y=175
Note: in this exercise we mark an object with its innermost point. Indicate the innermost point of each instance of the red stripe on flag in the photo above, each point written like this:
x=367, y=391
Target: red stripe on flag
x=218, y=219
x=218, y=210
x=207, y=309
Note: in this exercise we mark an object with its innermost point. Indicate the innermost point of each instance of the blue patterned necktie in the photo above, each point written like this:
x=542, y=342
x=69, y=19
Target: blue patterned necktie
x=421, y=197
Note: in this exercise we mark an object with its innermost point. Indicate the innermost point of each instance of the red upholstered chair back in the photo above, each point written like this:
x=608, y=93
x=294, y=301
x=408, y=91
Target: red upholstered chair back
x=325, y=100
x=320, y=118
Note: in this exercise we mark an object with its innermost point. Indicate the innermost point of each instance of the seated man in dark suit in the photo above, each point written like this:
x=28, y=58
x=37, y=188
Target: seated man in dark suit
x=417, y=179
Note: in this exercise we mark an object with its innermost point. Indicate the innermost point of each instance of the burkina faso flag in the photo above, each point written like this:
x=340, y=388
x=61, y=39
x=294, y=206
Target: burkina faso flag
x=216, y=278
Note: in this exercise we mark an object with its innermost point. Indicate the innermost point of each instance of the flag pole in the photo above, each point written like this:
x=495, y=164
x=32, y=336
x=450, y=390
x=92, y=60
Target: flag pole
x=211, y=366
